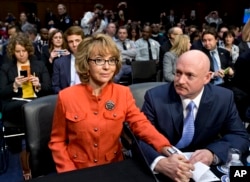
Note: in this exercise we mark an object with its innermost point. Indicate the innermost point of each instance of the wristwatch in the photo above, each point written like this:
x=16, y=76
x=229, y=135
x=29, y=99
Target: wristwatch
x=170, y=151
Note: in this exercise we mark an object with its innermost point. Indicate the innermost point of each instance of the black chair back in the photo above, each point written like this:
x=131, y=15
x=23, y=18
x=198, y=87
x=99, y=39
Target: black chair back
x=38, y=116
x=143, y=71
x=138, y=90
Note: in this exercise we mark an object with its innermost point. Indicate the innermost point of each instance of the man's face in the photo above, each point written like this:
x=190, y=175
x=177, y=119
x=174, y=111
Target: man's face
x=209, y=42
x=221, y=32
x=23, y=17
x=61, y=9
x=44, y=34
x=73, y=42
x=122, y=34
x=146, y=33
x=11, y=32
x=190, y=77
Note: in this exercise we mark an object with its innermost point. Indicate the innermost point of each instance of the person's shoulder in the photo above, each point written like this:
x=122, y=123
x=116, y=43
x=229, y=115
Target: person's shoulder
x=217, y=89
x=154, y=42
x=62, y=59
x=120, y=87
x=7, y=64
x=71, y=91
x=159, y=87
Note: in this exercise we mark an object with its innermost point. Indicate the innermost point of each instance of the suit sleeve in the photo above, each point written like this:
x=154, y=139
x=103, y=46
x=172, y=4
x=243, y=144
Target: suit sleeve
x=233, y=133
x=142, y=127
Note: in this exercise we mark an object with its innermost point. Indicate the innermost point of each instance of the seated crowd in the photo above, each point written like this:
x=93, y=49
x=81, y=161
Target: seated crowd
x=84, y=63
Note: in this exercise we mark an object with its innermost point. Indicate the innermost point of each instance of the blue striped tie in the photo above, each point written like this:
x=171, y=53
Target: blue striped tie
x=188, y=128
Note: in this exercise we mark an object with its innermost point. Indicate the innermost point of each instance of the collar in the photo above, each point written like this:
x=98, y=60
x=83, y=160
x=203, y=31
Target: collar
x=196, y=100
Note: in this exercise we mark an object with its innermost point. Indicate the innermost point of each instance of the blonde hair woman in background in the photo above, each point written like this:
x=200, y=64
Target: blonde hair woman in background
x=181, y=45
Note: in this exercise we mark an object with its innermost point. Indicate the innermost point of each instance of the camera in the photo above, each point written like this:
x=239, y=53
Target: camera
x=60, y=52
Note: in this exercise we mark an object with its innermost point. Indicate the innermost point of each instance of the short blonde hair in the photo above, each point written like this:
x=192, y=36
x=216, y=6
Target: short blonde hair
x=97, y=44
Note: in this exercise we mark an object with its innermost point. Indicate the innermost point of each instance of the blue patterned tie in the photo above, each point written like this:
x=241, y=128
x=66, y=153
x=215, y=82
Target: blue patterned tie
x=188, y=128
x=217, y=80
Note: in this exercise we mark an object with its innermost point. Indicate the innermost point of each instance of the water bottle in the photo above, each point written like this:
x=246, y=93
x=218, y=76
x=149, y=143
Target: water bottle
x=235, y=161
x=248, y=159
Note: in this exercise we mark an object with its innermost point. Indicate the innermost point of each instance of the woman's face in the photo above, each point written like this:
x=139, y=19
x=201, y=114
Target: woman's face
x=229, y=39
x=21, y=54
x=57, y=39
x=101, y=74
x=133, y=32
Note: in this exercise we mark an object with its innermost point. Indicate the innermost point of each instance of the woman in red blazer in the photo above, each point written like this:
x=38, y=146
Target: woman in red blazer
x=88, y=118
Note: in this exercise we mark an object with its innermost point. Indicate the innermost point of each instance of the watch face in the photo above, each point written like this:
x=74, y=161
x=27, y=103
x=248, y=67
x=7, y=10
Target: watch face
x=172, y=150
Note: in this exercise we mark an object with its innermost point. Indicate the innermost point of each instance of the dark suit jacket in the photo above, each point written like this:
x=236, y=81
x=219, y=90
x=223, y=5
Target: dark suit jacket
x=61, y=76
x=197, y=45
x=243, y=47
x=9, y=72
x=241, y=78
x=225, y=60
x=216, y=116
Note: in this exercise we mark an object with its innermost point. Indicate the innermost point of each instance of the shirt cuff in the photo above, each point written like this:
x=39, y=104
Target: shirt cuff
x=153, y=164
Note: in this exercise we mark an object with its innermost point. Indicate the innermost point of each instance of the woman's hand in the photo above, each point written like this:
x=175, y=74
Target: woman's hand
x=58, y=53
x=19, y=80
x=35, y=81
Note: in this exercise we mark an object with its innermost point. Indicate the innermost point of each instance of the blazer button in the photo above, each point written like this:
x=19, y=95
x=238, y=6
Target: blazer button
x=95, y=113
x=74, y=156
x=95, y=145
x=95, y=129
x=114, y=115
x=75, y=117
x=95, y=160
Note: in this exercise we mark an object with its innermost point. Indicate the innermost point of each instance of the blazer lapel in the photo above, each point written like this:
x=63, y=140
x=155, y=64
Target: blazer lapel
x=176, y=110
x=67, y=69
x=204, y=111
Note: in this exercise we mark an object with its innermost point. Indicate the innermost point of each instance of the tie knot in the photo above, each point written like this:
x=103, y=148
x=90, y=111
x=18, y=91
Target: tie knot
x=190, y=106
x=213, y=53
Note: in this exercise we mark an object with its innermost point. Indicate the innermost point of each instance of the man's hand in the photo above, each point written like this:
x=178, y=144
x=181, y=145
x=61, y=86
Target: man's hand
x=176, y=166
x=204, y=156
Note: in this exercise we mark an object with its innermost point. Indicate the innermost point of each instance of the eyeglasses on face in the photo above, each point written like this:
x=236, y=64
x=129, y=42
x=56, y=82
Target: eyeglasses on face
x=101, y=62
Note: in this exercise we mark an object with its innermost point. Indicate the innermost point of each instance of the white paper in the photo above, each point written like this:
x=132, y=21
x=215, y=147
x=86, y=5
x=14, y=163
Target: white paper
x=22, y=99
x=202, y=172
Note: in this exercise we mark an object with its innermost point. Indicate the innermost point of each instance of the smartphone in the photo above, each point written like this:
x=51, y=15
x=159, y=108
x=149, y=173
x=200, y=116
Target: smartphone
x=24, y=73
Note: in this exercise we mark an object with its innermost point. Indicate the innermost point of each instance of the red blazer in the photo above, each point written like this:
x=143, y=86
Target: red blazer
x=86, y=133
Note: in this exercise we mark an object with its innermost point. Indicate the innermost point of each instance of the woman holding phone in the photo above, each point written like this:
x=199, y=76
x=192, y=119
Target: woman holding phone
x=56, y=47
x=21, y=78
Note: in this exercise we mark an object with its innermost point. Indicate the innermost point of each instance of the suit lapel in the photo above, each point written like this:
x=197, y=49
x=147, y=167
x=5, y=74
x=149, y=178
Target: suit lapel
x=204, y=111
x=67, y=69
x=176, y=110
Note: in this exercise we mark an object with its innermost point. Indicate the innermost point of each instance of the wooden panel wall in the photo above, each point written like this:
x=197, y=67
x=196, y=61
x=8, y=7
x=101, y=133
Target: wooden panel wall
x=137, y=11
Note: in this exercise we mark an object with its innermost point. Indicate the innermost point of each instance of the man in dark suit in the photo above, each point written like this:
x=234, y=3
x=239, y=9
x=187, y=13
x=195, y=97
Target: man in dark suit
x=241, y=82
x=221, y=56
x=64, y=73
x=217, y=125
